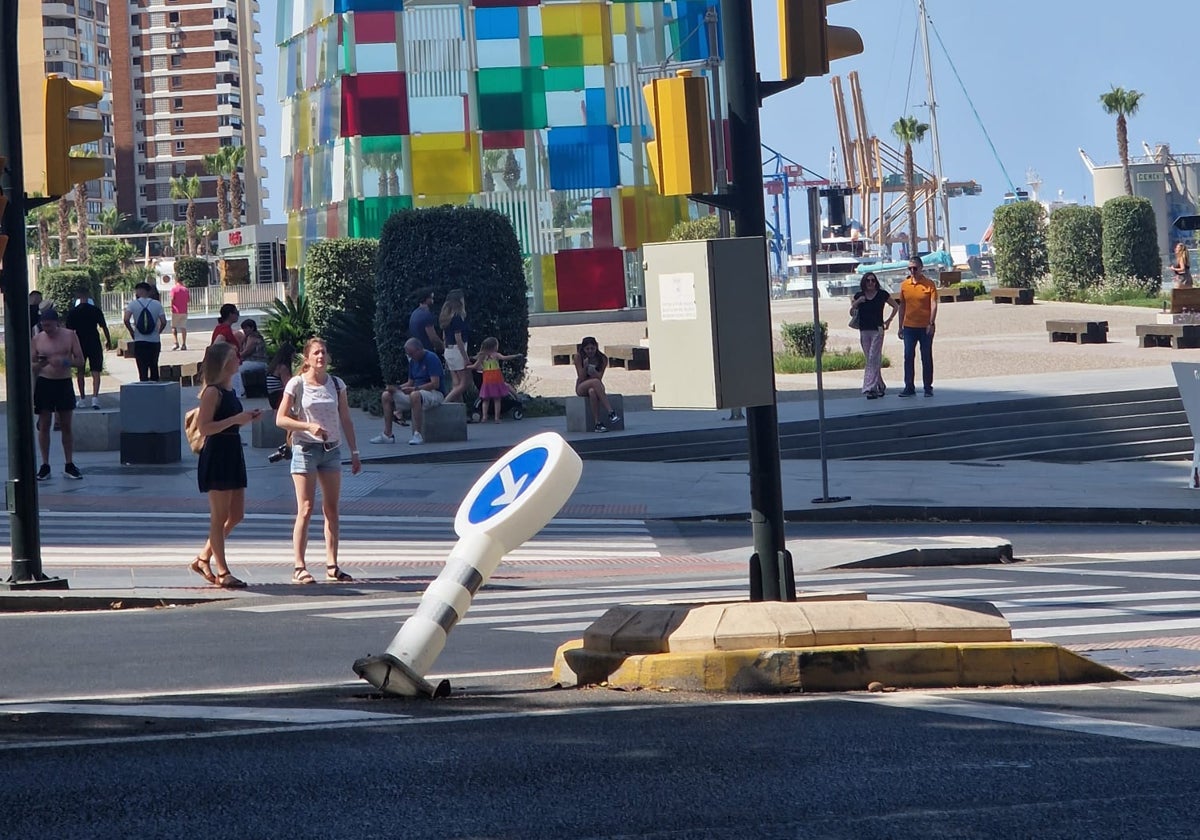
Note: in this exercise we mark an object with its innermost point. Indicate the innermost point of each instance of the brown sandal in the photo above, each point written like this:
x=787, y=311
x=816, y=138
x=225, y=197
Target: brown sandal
x=204, y=569
x=302, y=575
x=226, y=580
x=335, y=573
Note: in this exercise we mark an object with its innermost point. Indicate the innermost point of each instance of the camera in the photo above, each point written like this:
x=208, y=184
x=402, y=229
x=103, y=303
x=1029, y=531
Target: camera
x=283, y=453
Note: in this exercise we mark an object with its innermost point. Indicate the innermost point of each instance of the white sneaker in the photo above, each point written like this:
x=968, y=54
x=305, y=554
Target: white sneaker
x=95, y=402
x=383, y=439
x=416, y=439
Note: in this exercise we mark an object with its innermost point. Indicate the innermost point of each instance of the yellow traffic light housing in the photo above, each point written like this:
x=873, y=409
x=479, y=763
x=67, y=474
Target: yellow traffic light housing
x=679, y=155
x=63, y=171
x=807, y=43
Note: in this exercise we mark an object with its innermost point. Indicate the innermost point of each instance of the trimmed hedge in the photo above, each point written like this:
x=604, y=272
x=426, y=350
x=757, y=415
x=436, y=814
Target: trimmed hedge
x=1019, y=243
x=339, y=285
x=58, y=284
x=1131, y=241
x=193, y=272
x=445, y=248
x=705, y=227
x=1074, y=245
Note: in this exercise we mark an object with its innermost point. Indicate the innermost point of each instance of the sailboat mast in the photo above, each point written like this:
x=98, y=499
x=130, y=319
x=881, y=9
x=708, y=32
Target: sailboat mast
x=943, y=199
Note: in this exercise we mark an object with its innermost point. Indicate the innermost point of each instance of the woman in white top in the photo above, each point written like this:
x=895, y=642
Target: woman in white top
x=314, y=409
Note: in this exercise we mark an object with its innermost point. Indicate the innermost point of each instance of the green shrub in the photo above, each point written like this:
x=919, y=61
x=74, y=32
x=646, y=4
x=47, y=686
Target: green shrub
x=975, y=286
x=544, y=407
x=1073, y=242
x=339, y=273
x=445, y=248
x=1019, y=243
x=109, y=260
x=835, y=361
x=800, y=340
x=705, y=227
x=1131, y=241
x=192, y=272
x=288, y=320
x=339, y=286
x=58, y=285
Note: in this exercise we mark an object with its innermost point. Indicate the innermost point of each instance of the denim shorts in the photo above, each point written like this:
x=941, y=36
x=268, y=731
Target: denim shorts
x=314, y=457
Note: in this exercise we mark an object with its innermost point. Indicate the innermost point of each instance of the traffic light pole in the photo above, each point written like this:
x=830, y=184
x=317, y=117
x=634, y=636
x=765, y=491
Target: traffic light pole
x=21, y=489
x=771, y=574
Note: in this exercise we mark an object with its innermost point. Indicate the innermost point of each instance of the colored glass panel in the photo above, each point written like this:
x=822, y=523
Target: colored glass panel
x=596, y=106
x=446, y=164
x=439, y=200
x=537, y=51
x=562, y=50
x=565, y=107
x=503, y=140
x=498, y=53
x=591, y=278
x=575, y=19
x=376, y=58
x=497, y=23
x=295, y=239
x=369, y=5
x=549, y=283
x=374, y=104
x=492, y=4
x=602, y=223
x=511, y=98
x=583, y=157
x=438, y=114
x=367, y=216
x=375, y=28
x=563, y=78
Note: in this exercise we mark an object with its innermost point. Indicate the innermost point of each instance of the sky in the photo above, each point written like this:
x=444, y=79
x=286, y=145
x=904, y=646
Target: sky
x=1033, y=69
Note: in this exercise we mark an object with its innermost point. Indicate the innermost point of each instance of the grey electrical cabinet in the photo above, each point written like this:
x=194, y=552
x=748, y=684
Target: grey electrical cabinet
x=708, y=316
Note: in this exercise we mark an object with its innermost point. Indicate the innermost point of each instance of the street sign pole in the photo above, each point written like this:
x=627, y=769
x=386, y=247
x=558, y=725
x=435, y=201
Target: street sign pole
x=771, y=575
x=21, y=489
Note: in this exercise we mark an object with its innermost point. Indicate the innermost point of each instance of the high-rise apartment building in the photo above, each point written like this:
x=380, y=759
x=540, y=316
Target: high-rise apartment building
x=184, y=84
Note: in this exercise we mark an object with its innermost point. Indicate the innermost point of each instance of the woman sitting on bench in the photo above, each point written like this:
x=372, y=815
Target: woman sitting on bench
x=590, y=365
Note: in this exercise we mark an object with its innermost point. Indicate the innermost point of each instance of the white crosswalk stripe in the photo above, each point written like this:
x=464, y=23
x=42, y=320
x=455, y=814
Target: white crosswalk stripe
x=1036, y=605
x=77, y=541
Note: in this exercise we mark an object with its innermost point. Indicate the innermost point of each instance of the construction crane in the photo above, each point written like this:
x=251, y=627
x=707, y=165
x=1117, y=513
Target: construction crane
x=781, y=175
x=875, y=171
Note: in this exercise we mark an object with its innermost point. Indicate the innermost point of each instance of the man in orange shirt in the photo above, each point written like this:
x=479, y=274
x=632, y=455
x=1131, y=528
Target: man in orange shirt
x=917, y=310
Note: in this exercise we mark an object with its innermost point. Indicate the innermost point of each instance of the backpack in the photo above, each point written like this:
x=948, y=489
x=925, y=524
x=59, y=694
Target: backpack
x=146, y=324
x=191, y=427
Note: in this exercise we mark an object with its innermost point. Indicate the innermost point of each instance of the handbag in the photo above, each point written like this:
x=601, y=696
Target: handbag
x=854, y=321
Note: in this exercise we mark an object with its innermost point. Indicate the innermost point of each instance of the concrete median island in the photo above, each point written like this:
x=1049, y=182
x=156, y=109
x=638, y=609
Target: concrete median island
x=818, y=644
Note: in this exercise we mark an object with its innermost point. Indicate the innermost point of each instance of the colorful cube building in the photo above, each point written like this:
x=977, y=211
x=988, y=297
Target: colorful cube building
x=531, y=108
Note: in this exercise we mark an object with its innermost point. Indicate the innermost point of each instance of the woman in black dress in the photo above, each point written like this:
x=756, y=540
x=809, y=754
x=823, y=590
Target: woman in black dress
x=222, y=469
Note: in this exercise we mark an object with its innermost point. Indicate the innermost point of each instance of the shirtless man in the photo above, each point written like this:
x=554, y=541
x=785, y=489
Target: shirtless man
x=55, y=352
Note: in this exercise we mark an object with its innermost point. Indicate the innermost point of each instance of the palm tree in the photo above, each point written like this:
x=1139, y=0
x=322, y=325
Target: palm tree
x=909, y=130
x=208, y=234
x=188, y=188
x=394, y=163
x=493, y=160
x=64, y=229
x=512, y=170
x=110, y=220
x=1122, y=102
x=44, y=214
x=218, y=164
x=237, y=203
x=81, y=213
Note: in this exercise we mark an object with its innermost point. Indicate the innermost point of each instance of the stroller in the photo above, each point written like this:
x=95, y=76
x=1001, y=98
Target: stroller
x=512, y=405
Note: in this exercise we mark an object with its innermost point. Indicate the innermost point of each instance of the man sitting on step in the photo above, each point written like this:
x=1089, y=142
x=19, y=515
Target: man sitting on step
x=423, y=390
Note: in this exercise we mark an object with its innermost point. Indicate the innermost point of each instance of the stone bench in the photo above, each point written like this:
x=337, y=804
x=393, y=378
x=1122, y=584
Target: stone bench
x=1179, y=336
x=1012, y=295
x=185, y=373
x=445, y=423
x=264, y=434
x=151, y=426
x=1080, y=332
x=125, y=347
x=97, y=430
x=628, y=356
x=953, y=295
x=560, y=354
x=579, y=414
x=254, y=383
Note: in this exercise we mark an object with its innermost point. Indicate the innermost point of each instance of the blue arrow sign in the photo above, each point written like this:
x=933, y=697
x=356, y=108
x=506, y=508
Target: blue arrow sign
x=508, y=484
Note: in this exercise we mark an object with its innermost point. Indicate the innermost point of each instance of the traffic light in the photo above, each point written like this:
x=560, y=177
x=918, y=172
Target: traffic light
x=807, y=43
x=679, y=154
x=63, y=131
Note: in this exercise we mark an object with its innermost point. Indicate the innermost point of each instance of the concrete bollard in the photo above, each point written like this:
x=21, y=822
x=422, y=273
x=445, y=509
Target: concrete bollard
x=508, y=505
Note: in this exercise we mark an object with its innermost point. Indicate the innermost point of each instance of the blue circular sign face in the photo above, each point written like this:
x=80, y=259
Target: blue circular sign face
x=508, y=485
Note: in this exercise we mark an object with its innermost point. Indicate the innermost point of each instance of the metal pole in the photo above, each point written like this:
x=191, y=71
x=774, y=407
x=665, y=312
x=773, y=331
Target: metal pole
x=943, y=199
x=22, y=501
x=814, y=237
x=714, y=74
x=771, y=576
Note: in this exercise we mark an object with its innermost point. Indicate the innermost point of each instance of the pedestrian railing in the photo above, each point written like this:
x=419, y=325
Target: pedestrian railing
x=206, y=300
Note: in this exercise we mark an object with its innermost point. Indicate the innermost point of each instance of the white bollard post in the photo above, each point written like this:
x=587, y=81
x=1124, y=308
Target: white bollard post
x=509, y=504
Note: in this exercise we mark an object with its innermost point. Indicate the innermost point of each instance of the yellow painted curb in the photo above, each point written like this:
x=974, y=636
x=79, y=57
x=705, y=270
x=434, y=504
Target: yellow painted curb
x=833, y=668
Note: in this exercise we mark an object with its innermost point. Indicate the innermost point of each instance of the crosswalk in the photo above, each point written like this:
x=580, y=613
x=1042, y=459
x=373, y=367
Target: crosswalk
x=1051, y=602
x=80, y=540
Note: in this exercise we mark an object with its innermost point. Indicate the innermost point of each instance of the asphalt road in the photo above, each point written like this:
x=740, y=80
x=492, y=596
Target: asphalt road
x=532, y=763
